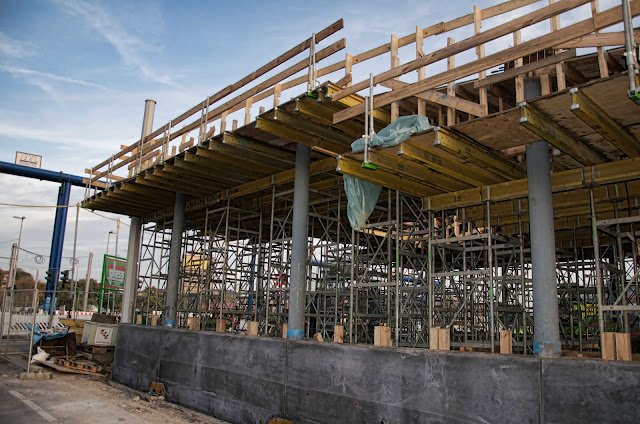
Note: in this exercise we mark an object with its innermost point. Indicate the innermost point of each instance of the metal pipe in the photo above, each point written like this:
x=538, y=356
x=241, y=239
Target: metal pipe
x=87, y=284
x=73, y=262
x=596, y=258
x=492, y=291
x=34, y=306
x=57, y=242
x=371, y=127
x=14, y=248
x=174, y=262
x=630, y=52
x=366, y=130
x=546, y=340
x=298, y=278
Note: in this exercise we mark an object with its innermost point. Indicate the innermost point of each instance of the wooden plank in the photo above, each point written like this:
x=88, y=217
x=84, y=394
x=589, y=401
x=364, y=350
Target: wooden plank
x=608, y=347
x=395, y=62
x=444, y=339
x=286, y=132
x=445, y=165
x=382, y=336
x=221, y=325
x=354, y=168
x=318, y=337
x=601, y=20
x=434, y=338
x=468, y=43
x=338, y=334
x=451, y=63
x=284, y=331
x=477, y=154
x=511, y=73
x=396, y=165
x=442, y=99
x=623, y=346
x=506, y=342
x=482, y=92
x=593, y=115
x=606, y=173
x=537, y=122
x=300, y=123
x=259, y=147
x=252, y=328
x=599, y=39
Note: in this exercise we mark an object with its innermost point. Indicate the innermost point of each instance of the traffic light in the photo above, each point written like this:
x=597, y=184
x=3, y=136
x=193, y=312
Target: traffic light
x=50, y=277
x=64, y=278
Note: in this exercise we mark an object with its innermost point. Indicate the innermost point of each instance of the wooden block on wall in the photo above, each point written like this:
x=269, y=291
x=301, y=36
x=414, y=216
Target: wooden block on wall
x=193, y=323
x=221, y=326
x=434, y=336
x=284, y=331
x=623, y=346
x=338, y=333
x=444, y=339
x=382, y=336
x=318, y=337
x=608, y=346
x=505, y=341
x=252, y=328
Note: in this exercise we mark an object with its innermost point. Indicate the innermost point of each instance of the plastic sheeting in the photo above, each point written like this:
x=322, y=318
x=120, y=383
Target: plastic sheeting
x=362, y=196
x=395, y=133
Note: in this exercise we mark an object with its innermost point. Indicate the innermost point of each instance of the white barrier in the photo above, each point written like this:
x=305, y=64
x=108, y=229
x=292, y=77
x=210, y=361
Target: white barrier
x=20, y=323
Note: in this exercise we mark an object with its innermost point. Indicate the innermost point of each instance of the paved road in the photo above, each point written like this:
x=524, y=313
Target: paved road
x=13, y=410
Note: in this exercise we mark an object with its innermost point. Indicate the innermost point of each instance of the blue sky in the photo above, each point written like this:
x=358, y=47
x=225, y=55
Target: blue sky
x=74, y=76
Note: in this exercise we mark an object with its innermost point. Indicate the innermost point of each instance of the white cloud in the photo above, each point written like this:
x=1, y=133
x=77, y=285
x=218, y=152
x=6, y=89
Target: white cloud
x=36, y=77
x=129, y=47
x=12, y=48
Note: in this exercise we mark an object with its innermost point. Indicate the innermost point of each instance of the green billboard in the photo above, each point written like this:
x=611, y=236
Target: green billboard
x=113, y=270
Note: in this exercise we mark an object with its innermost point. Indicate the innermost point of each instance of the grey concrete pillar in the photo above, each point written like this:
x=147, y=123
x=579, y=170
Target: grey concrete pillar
x=298, y=277
x=175, y=251
x=546, y=340
x=131, y=273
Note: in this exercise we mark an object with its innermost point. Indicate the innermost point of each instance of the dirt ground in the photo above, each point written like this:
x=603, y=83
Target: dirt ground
x=74, y=398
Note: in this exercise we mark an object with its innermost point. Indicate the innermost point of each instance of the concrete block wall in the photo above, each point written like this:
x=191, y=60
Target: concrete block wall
x=244, y=379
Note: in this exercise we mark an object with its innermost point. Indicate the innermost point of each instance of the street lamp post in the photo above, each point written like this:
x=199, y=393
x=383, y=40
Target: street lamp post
x=15, y=267
x=109, y=240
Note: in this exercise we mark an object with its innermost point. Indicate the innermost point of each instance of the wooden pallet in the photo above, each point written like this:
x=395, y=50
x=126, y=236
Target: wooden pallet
x=77, y=364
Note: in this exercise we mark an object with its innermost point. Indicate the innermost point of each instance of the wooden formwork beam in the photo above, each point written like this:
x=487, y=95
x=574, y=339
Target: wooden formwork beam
x=354, y=168
x=286, y=132
x=606, y=173
x=593, y=115
x=477, y=154
x=537, y=122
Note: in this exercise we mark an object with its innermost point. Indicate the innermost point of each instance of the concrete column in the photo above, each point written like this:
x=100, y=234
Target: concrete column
x=175, y=251
x=135, y=231
x=298, y=277
x=131, y=274
x=546, y=341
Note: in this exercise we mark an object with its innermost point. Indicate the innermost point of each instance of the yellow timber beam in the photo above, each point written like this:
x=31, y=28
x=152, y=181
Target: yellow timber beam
x=306, y=125
x=283, y=131
x=258, y=147
x=414, y=171
x=593, y=115
x=354, y=168
x=538, y=123
x=477, y=154
x=445, y=165
x=606, y=173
